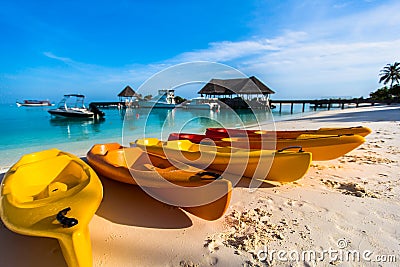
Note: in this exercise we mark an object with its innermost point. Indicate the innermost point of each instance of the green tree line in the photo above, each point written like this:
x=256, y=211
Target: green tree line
x=390, y=74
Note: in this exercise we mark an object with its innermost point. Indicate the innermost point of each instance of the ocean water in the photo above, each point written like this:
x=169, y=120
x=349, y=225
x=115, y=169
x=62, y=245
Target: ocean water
x=29, y=129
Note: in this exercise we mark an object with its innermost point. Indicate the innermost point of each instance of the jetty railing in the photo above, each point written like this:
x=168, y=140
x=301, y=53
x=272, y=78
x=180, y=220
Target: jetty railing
x=329, y=103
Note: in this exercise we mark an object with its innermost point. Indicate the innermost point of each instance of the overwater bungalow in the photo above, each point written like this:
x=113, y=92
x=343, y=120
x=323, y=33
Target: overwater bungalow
x=238, y=93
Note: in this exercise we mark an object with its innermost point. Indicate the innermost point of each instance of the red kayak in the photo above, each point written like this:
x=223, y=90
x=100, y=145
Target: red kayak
x=226, y=132
x=195, y=138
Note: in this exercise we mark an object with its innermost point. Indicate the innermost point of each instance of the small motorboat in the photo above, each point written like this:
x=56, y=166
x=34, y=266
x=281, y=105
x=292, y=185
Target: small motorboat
x=52, y=194
x=164, y=99
x=282, y=166
x=322, y=147
x=225, y=132
x=200, y=103
x=72, y=106
x=204, y=194
x=34, y=103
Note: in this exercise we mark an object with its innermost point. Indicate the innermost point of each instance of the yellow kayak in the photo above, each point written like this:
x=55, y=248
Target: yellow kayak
x=322, y=147
x=201, y=193
x=283, y=166
x=52, y=194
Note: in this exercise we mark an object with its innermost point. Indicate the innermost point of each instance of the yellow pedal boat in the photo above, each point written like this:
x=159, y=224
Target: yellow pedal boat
x=52, y=194
x=282, y=166
x=201, y=193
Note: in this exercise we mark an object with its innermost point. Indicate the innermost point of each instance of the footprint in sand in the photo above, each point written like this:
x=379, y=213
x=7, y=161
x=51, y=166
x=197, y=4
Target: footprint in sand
x=211, y=244
x=367, y=159
x=184, y=263
x=352, y=189
x=211, y=260
x=248, y=230
x=294, y=203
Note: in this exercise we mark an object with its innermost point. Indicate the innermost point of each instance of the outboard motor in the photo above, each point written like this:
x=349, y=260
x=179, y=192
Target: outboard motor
x=97, y=112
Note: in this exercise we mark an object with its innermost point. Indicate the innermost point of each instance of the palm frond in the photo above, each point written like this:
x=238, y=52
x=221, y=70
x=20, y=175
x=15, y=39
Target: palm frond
x=390, y=73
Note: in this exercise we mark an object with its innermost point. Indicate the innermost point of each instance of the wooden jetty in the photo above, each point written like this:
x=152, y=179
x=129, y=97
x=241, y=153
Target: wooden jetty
x=115, y=104
x=314, y=104
x=328, y=103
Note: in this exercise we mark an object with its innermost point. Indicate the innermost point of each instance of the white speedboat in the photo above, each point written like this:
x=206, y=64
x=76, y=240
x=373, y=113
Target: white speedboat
x=164, y=99
x=200, y=103
x=34, y=103
x=68, y=108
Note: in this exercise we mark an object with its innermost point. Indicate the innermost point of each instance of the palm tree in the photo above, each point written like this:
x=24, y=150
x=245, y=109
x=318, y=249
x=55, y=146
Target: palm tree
x=390, y=73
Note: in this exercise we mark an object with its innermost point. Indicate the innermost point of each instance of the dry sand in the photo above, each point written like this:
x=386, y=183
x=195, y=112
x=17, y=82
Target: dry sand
x=351, y=203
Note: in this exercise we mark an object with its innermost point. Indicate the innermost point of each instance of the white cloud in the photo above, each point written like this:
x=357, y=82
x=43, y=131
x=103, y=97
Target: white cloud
x=227, y=50
x=324, y=68
x=312, y=67
x=341, y=56
x=52, y=56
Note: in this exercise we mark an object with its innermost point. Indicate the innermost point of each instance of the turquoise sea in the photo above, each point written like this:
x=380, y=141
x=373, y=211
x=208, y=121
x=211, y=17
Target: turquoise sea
x=29, y=129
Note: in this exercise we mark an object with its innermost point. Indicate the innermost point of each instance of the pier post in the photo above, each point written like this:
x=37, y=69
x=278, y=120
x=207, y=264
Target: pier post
x=291, y=108
x=280, y=107
x=342, y=105
x=304, y=105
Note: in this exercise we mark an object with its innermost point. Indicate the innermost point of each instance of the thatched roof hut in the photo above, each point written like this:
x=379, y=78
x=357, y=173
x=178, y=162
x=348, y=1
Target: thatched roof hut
x=128, y=92
x=241, y=86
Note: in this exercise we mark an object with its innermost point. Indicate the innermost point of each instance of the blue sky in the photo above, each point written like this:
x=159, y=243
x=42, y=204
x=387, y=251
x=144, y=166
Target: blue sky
x=301, y=49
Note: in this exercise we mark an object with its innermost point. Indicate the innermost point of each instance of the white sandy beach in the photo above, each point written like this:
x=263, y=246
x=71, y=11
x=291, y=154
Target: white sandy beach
x=348, y=204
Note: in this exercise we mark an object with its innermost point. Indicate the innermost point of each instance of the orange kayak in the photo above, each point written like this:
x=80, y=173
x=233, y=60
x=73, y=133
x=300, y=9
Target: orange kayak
x=204, y=194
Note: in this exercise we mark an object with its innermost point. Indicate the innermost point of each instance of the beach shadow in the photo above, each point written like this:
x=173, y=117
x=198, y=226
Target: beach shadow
x=22, y=250
x=372, y=115
x=130, y=205
x=245, y=183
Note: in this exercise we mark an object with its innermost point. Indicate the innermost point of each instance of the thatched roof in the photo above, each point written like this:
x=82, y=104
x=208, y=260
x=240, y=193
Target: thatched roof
x=245, y=86
x=127, y=92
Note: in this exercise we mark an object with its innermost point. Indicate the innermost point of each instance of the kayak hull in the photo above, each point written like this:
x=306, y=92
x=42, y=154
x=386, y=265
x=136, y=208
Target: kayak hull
x=322, y=147
x=226, y=132
x=257, y=164
x=207, y=197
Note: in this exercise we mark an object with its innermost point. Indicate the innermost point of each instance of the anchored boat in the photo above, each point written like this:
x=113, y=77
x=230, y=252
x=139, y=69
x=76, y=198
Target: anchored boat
x=34, y=103
x=200, y=103
x=72, y=106
x=164, y=99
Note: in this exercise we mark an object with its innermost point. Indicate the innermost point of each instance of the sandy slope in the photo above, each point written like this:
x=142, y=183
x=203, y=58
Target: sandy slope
x=352, y=203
